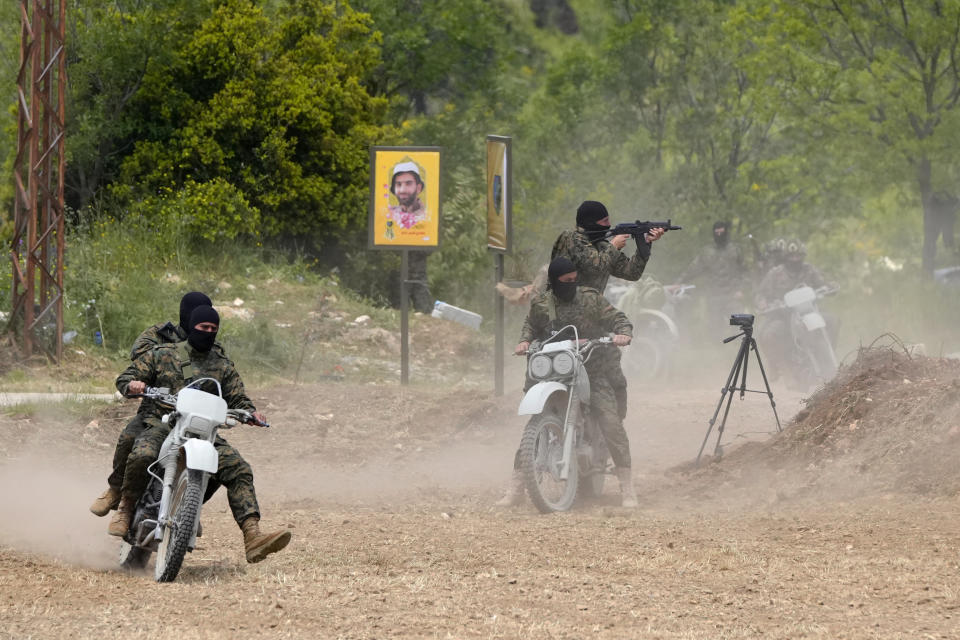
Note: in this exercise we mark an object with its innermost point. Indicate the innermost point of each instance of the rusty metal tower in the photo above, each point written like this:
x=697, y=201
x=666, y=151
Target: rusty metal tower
x=38, y=172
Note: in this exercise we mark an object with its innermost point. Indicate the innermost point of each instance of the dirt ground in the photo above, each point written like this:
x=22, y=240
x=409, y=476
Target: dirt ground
x=843, y=526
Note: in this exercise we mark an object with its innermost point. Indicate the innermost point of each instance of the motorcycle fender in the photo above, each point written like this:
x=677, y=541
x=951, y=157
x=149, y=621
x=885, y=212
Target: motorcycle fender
x=813, y=321
x=536, y=397
x=201, y=455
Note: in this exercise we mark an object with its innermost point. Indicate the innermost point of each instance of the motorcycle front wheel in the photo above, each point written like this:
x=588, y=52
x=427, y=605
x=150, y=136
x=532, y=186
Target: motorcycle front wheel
x=541, y=458
x=184, y=511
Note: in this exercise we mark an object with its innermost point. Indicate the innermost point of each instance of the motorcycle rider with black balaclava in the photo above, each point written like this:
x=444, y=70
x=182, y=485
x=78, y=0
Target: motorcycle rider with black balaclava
x=565, y=303
x=173, y=366
x=773, y=330
x=158, y=334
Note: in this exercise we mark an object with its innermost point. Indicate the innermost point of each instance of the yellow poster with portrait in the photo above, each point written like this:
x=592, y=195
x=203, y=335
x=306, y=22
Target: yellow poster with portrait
x=404, y=198
x=498, y=194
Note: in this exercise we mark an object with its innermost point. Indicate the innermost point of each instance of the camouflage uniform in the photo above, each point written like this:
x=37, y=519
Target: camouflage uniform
x=158, y=334
x=163, y=366
x=595, y=263
x=782, y=279
x=594, y=317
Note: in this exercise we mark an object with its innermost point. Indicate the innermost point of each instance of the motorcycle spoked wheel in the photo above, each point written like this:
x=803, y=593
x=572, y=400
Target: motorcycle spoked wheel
x=541, y=453
x=819, y=352
x=184, y=511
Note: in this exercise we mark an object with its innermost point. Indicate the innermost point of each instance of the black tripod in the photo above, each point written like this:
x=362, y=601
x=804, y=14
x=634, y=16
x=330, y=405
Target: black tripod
x=745, y=322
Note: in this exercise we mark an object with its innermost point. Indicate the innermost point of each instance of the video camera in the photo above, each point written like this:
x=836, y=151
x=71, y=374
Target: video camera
x=741, y=320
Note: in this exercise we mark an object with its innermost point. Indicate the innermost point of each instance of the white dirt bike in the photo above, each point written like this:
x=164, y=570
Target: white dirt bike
x=562, y=451
x=166, y=516
x=814, y=359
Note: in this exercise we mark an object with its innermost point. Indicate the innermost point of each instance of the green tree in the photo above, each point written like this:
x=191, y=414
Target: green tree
x=274, y=105
x=875, y=82
x=113, y=45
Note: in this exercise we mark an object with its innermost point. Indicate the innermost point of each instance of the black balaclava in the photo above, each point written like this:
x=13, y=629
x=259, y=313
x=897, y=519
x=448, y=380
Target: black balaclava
x=203, y=340
x=588, y=213
x=563, y=290
x=721, y=239
x=188, y=303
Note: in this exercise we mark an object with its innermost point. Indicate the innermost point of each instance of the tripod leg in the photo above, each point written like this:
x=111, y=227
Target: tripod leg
x=734, y=370
x=773, y=404
x=746, y=362
x=741, y=365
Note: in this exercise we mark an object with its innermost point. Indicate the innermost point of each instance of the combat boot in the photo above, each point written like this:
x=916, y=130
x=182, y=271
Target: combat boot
x=108, y=500
x=259, y=545
x=628, y=497
x=515, y=492
x=121, y=519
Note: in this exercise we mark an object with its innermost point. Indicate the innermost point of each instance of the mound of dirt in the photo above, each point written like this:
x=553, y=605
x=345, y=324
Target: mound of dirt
x=887, y=423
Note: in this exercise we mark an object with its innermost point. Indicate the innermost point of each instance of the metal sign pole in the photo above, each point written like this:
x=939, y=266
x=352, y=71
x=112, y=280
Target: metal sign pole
x=411, y=224
x=498, y=358
x=404, y=318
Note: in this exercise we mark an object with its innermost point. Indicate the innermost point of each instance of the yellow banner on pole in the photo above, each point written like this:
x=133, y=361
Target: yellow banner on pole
x=404, y=198
x=499, y=194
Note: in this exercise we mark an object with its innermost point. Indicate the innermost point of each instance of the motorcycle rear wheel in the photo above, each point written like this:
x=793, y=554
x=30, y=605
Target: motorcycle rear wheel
x=184, y=513
x=541, y=454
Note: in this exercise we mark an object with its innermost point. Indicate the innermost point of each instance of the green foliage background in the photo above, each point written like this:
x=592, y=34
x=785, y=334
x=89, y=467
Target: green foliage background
x=204, y=127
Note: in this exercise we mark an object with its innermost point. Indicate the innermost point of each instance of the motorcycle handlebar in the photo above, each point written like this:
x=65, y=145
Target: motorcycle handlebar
x=164, y=397
x=583, y=345
x=245, y=417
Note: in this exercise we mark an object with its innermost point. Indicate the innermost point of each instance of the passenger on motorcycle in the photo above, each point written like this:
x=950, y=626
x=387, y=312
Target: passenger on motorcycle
x=173, y=366
x=158, y=334
x=596, y=259
x=565, y=303
x=773, y=330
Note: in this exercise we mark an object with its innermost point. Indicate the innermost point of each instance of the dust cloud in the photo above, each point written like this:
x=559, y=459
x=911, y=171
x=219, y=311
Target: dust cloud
x=45, y=503
x=453, y=469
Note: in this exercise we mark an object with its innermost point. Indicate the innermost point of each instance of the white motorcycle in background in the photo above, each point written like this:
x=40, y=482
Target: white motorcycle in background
x=562, y=449
x=815, y=360
x=656, y=334
x=166, y=516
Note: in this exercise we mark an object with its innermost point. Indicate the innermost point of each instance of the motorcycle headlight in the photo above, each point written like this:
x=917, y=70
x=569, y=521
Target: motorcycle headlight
x=540, y=366
x=563, y=363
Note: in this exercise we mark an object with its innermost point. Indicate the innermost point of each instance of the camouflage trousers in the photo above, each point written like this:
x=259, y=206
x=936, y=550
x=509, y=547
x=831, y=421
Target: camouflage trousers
x=233, y=472
x=612, y=370
x=124, y=445
x=605, y=410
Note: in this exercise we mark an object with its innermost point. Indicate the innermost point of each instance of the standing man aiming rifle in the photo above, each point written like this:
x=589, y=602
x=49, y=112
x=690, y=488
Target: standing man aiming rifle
x=596, y=251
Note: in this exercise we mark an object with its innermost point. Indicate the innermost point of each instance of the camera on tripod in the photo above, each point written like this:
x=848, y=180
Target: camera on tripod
x=741, y=320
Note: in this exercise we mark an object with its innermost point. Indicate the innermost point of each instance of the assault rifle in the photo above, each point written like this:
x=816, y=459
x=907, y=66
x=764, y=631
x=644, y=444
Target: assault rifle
x=638, y=229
